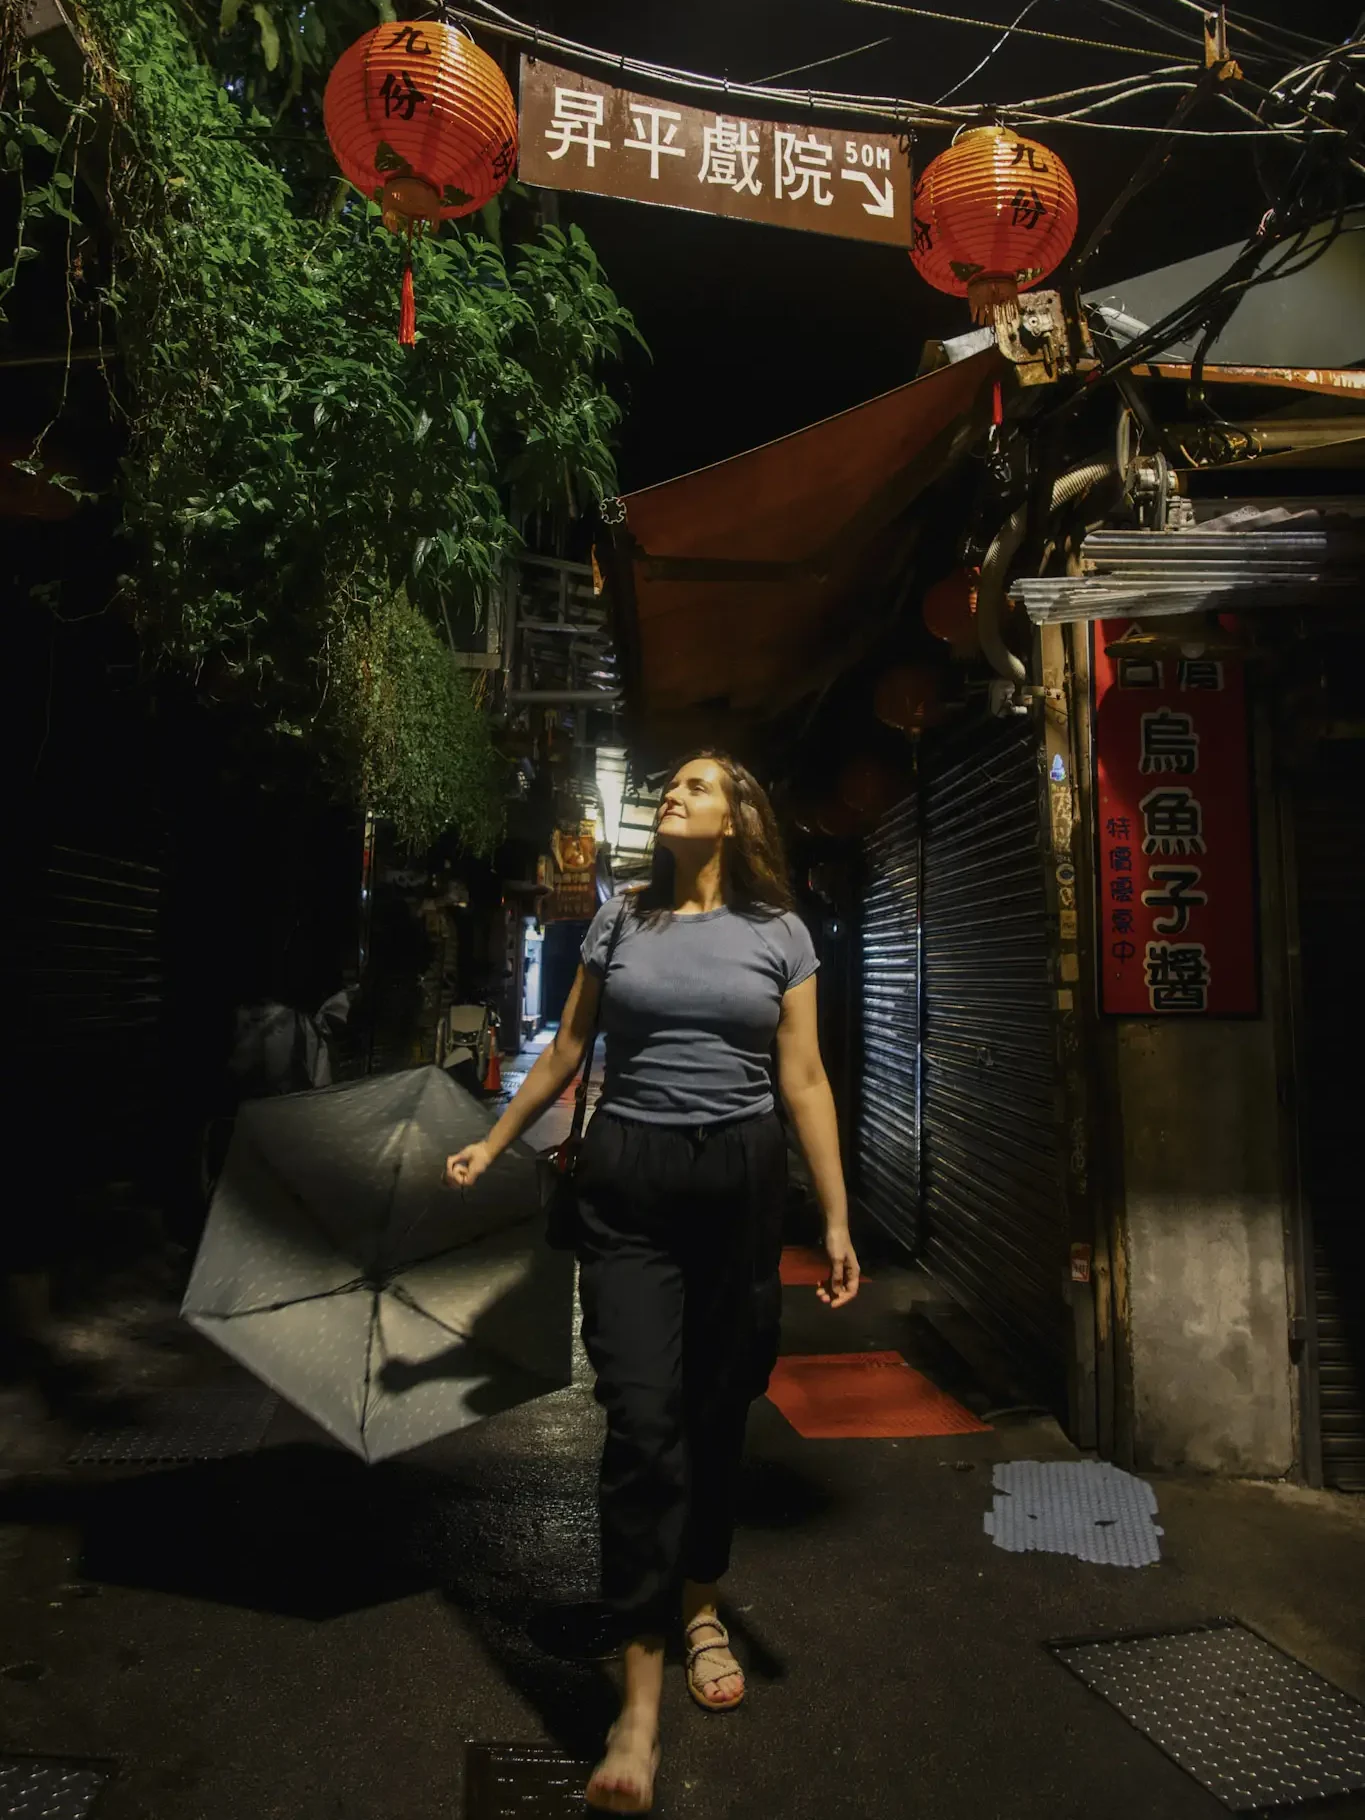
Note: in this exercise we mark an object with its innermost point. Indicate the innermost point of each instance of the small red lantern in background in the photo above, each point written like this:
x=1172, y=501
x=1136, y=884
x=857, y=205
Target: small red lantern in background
x=949, y=611
x=837, y=820
x=868, y=786
x=991, y=216
x=907, y=698
x=422, y=121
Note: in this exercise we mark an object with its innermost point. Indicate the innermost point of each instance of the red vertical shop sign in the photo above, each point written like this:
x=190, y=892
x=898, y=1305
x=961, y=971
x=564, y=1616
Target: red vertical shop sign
x=1177, y=906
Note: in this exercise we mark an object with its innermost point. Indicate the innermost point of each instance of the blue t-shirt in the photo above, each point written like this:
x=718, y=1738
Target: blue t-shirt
x=690, y=1010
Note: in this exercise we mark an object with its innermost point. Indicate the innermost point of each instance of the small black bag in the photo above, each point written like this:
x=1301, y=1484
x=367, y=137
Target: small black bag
x=558, y=1195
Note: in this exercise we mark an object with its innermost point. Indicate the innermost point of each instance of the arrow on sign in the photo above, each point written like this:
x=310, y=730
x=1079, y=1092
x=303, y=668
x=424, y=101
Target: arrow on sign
x=885, y=197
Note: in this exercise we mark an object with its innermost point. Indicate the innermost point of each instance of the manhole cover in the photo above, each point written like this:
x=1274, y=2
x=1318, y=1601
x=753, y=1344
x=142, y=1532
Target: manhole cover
x=523, y=1782
x=50, y=1788
x=1255, y=1727
x=182, y=1425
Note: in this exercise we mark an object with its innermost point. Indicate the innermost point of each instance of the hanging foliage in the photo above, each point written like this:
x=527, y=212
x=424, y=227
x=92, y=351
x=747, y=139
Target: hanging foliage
x=297, y=487
x=395, y=683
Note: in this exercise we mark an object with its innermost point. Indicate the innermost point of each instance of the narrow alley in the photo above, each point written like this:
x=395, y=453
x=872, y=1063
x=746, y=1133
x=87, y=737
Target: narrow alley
x=690, y=755
x=288, y=1632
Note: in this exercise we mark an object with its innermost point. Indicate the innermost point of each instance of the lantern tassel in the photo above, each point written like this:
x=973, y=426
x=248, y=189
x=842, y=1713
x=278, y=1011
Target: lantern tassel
x=994, y=299
x=407, y=315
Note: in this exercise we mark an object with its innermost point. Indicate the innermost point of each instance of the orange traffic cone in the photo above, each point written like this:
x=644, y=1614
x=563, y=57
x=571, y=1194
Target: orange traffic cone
x=492, y=1080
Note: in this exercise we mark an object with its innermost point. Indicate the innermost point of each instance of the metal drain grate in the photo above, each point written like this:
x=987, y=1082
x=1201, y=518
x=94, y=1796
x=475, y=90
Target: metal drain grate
x=523, y=1782
x=50, y=1788
x=1255, y=1727
x=182, y=1425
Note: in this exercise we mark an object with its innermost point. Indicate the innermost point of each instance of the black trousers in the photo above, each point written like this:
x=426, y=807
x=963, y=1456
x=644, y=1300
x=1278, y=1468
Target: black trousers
x=679, y=1252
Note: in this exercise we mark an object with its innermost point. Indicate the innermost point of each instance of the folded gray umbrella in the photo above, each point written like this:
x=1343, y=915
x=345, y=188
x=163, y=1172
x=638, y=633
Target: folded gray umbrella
x=339, y=1269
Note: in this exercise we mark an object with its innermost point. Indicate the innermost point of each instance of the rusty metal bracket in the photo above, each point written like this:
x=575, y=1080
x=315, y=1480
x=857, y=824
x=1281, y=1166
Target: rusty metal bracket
x=1216, y=55
x=1046, y=340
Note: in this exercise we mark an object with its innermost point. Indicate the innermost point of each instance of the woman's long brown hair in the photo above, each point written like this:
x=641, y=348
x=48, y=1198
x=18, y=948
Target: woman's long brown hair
x=756, y=881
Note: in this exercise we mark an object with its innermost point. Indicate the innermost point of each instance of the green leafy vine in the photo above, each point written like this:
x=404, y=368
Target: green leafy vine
x=309, y=506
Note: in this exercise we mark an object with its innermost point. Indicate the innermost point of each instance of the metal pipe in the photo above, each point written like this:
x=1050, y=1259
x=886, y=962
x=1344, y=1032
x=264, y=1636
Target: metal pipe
x=990, y=590
x=509, y=629
x=575, y=628
x=569, y=698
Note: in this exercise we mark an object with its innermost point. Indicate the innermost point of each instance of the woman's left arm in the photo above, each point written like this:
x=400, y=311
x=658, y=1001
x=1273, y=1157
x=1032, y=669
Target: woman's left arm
x=805, y=1090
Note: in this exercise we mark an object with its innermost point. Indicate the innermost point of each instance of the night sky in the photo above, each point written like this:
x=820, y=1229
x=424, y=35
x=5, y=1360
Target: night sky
x=755, y=331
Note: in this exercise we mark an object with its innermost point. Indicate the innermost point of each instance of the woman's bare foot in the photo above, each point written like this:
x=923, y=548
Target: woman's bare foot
x=623, y=1782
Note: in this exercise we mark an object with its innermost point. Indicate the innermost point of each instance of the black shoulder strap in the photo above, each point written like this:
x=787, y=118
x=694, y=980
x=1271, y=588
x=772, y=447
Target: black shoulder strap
x=580, y=1108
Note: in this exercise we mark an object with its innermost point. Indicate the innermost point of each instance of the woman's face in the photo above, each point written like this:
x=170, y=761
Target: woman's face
x=694, y=808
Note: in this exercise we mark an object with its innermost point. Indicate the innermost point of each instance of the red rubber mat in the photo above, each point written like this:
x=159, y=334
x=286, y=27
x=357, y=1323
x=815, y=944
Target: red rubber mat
x=804, y=1266
x=864, y=1396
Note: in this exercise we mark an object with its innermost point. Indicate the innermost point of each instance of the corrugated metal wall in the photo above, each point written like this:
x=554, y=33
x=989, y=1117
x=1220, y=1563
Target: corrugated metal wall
x=959, y=1141
x=91, y=984
x=888, y=1103
x=992, y=1161
x=1329, y=839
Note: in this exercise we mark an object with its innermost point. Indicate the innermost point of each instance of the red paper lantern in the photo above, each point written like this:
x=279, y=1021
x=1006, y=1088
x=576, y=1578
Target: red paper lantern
x=992, y=215
x=836, y=820
x=949, y=611
x=907, y=698
x=867, y=786
x=421, y=120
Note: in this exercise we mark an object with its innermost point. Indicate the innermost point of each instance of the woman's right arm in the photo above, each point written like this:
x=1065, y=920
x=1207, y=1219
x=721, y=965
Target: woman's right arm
x=554, y=1068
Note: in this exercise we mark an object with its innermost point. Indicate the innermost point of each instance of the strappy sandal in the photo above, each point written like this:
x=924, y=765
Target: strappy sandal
x=697, y=1682
x=611, y=1800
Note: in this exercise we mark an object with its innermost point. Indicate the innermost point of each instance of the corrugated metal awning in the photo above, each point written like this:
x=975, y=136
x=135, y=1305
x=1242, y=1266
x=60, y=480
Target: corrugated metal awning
x=1251, y=561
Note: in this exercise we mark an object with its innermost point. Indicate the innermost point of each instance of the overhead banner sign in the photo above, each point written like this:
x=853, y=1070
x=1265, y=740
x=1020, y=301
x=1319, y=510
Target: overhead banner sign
x=579, y=134
x=1176, y=873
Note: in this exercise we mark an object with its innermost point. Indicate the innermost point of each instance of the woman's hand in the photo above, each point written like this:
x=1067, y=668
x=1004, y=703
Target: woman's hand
x=842, y=1283
x=464, y=1170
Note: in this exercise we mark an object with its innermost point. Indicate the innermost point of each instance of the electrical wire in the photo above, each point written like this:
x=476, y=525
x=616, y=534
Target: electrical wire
x=1194, y=45
x=1080, y=116
x=1307, y=116
x=999, y=44
x=1151, y=167
x=823, y=62
x=1349, y=51
x=897, y=111
x=1219, y=299
x=1209, y=310
x=488, y=17
x=1247, y=20
x=1101, y=88
x=1226, y=306
x=1117, y=126
x=1285, y=129
x=991, y=25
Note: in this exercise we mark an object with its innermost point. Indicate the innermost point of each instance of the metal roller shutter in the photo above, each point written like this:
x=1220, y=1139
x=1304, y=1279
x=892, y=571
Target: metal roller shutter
x=888, y=1114
x=91, y=935
x=992, y=1154
x=1329, y=834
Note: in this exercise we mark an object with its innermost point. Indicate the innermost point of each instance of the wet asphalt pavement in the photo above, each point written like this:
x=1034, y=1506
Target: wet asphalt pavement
x=291, y=1634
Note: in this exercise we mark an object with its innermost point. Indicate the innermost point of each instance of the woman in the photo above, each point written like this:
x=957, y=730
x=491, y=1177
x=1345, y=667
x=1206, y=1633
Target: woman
x=682, y=1179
